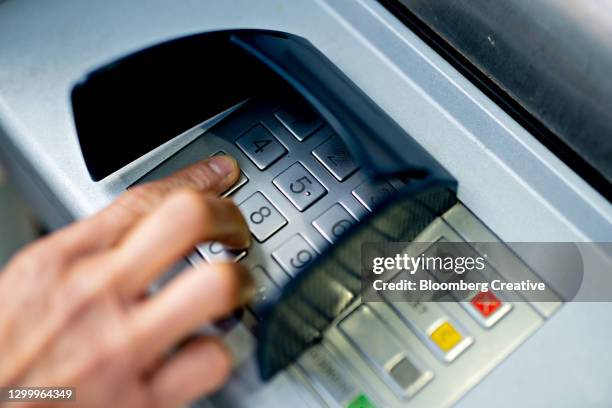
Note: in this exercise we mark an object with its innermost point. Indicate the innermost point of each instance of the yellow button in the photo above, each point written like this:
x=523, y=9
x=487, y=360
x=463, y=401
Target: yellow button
x=446, y=336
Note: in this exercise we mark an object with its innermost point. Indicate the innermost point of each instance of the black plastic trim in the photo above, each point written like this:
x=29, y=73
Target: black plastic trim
x=131, y=106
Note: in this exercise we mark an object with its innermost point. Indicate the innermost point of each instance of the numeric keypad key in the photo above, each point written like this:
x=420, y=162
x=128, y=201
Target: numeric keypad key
x=214, y=251
x=261, y=216
x=334, y=155
x=294, y=255
x=334, y=222
x=299, y=186
x=260, y=146
x=371, y=193
x=300, y=120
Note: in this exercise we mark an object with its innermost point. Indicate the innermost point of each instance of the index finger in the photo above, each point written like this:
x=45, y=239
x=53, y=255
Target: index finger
x=104, y=229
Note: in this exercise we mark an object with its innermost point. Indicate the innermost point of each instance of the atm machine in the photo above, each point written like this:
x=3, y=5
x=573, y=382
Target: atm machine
x=455, y=121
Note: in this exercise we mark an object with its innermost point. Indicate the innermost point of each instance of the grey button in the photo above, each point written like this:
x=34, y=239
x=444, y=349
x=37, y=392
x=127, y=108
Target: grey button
x=300, y=120
x=294, y=255
x=405, y=373
x=242, y=180
x=336, y=158
x=264, y=286
x=333, y=222
x=214, y=251
x=328, y=376
x=299, y=186
x=384, y=352
x=261, y=216
x=260, y=146
x=371, y=193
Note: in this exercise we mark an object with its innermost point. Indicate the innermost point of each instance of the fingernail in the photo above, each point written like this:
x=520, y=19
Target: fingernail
x=222, y=165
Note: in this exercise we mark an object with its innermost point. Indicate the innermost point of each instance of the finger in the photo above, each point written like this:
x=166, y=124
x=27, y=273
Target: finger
x=105, y=228
x=214, y=175
x=199, y=368
x=193, y=299
x=184, y=220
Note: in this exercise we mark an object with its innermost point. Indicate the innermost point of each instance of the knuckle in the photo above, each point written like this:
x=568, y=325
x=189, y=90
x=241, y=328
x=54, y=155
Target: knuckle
x=44, y=255
x=77, y=291
x=104, y=356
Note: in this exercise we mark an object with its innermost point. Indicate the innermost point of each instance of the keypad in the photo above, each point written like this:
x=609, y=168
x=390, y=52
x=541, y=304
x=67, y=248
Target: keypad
x=294, y=255
x=299, y=186
x=262, y=217
x=371, y=193
x=260, y=146
x=299, y=119
x=299, y=191
x=334, y=155
x=334, y=222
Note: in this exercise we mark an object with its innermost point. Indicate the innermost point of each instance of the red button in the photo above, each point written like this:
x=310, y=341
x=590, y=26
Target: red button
x=486, y=303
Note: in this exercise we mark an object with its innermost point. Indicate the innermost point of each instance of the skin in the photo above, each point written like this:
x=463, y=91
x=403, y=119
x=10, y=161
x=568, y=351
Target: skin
x=75, y=310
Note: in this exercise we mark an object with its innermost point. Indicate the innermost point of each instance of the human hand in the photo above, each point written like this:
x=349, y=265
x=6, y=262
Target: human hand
x=74, y=306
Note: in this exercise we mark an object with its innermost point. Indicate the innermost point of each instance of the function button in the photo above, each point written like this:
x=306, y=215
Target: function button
x=261, y=216
x=384, y=352
x=446, y=337
x=486, y=303
x=300, y=120
x=371, y=193
x=330, y=380
x=214, y=251
x=336, y=158
x=486, y=308
x=404, y=373
x=299, y=186
x=431, y=324
x=294, y=255
x=260, y=146
x=334, y=222
x=242, y=180
x=361, y=401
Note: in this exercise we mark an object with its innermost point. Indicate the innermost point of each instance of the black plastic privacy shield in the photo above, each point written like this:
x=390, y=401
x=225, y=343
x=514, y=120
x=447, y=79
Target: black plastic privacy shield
x=131, y=106
x=309, y=303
